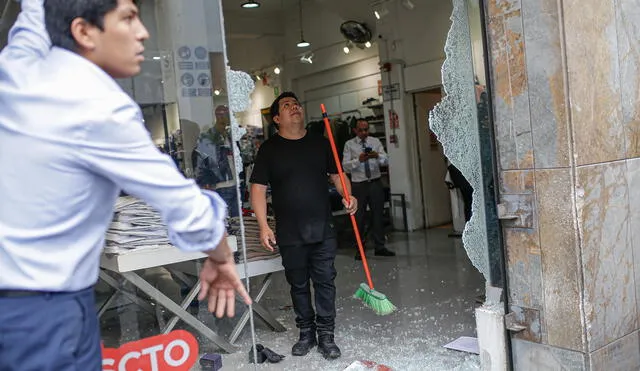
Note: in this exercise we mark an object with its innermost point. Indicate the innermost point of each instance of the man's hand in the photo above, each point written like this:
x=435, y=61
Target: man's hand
x=364, y=157
x=373, y=154
x=221, y=281
x=267, y=238
x=352, y=206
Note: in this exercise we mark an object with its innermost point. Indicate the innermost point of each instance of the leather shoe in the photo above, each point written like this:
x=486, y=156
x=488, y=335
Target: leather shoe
x=327, y=347
x=306, y=343
x=384, y=252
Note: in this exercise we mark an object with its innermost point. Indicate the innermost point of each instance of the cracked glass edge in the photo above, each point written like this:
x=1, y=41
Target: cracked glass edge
x=240, y=85
x=455, y=121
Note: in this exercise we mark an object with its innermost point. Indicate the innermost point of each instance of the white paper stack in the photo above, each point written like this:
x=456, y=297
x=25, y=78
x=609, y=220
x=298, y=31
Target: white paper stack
x=135, y=225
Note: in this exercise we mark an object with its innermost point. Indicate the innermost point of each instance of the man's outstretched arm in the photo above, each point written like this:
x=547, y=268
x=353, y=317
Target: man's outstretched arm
x=28, y=37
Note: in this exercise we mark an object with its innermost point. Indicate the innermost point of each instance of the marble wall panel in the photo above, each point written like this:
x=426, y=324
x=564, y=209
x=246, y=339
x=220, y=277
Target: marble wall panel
x=607, y=257
x=594, y=80
x=545, y=76
x=561, y=269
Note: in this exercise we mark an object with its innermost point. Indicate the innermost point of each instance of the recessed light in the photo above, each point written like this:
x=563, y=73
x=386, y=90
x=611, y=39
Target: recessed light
x=276, y=70
x=367, y=44
x=250, y=4
x=216, y=92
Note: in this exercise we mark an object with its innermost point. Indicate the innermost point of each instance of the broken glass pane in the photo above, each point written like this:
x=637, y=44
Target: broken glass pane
x=455, y=122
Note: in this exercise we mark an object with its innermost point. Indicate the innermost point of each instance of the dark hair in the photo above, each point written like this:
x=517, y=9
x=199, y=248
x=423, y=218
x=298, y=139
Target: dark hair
x=60, y=13
x=275, y=106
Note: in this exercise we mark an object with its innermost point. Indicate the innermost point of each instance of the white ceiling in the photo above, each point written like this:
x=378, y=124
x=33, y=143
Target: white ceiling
x=277, y=12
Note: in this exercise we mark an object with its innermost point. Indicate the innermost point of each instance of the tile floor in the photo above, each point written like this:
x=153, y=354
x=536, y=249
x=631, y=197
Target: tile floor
x=430, y=280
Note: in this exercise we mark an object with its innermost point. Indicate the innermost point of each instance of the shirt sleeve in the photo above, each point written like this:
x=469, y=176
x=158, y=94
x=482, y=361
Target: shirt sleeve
x=349, y=163
x=120, y=149
x=383, y=158
x=260, y=172
x=28, y=38
x=331, y=162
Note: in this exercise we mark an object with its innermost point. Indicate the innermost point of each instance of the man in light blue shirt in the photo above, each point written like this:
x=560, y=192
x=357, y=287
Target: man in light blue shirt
x=70, y=140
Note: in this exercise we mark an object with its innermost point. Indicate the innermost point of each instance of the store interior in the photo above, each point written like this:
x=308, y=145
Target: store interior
x=377, y=60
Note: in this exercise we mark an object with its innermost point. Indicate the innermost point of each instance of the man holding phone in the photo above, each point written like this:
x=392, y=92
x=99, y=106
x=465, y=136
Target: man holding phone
x=362, y=157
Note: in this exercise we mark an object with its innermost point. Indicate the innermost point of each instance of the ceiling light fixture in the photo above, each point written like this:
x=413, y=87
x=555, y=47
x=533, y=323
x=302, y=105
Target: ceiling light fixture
x=250, y=4
x=367, y=44
x=380, y=12
x=307, y=58
x=302, y=43
x=346, y=49
x=216, y=92
x=408, y=4
x=277, y=70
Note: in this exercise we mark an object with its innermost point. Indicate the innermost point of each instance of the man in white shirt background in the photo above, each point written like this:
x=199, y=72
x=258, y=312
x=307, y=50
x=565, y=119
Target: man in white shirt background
x=362, y=158
x=81, y=140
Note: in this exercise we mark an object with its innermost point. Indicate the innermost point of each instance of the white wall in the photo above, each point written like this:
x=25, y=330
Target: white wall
x=261, y=97
x=414, y=42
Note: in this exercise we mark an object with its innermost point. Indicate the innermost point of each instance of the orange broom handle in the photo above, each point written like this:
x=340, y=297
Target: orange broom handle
x=347, y=197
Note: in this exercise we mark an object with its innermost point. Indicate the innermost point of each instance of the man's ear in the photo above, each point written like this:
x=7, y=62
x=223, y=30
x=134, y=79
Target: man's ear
x=83, y=33
x=276, y=119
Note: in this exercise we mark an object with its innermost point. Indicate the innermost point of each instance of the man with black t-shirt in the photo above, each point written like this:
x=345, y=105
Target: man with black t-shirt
x=296, y=164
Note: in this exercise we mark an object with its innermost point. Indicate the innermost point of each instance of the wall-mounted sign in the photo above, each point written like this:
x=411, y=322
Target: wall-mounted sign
x=189, y=92
x=394, y=120
x=391, y=92
x=200, y=52
x=187, y=79
x=184, y=52
x=204, y=80
x=185, y=66
x=175, y=351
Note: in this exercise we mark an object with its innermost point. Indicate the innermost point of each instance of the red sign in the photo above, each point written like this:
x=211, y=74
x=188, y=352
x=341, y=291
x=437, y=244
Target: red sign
x=175, y=351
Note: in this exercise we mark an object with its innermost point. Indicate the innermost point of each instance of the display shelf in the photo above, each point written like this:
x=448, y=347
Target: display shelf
x=134, y=259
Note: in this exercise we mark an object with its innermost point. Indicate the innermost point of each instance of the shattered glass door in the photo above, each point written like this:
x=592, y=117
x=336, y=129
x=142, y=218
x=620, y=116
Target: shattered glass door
x=462, y=123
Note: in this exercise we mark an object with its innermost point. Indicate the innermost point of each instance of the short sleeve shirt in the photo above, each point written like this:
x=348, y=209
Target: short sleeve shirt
x=297, y=171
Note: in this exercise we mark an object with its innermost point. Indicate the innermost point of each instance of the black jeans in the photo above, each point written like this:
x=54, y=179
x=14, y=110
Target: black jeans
x=372, y=194
x=315, y=262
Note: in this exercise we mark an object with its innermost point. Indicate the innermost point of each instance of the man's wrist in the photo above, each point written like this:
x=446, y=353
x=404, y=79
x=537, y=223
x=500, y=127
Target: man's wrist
x=222, y=253
x=263, y=224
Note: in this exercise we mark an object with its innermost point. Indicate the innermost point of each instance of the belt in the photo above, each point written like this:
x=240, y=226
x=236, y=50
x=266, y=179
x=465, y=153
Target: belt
x=20, y=293
x=368, y=181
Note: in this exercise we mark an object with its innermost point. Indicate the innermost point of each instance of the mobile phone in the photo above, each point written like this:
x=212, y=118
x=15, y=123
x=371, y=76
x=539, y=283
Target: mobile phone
x=368, y=150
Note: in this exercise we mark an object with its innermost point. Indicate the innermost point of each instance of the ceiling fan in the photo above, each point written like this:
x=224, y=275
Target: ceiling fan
x=356, y=32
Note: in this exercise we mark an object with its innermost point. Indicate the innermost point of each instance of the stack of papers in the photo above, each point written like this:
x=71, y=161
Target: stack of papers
x=135, y=225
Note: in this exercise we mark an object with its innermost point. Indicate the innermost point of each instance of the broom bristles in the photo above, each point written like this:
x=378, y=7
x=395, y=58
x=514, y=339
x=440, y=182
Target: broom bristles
x=375, y=300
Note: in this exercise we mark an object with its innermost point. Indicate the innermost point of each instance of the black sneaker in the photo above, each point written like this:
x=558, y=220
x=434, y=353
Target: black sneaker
x=306, y=343
x=384, y=252
x=327, y=347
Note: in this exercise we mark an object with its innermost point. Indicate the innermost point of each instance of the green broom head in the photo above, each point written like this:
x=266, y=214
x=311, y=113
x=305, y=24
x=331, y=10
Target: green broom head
x=374, y=300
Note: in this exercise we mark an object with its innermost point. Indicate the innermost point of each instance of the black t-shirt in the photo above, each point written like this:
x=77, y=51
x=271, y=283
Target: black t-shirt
x=297, y=172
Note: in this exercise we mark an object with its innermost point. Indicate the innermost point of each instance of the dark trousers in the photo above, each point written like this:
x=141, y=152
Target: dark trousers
x=371, y=194
x=315, y=262
x=50, y=332
x=230, y=196
x=467, y=198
